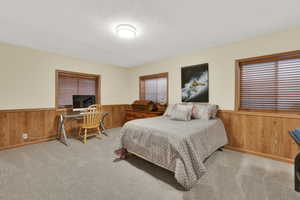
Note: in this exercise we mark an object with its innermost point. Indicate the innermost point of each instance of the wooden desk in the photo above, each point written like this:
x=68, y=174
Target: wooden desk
x=138, y=114
x=74, y=116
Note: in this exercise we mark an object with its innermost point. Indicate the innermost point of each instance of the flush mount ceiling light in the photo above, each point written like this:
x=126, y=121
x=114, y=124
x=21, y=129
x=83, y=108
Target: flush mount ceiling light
x=126, y=31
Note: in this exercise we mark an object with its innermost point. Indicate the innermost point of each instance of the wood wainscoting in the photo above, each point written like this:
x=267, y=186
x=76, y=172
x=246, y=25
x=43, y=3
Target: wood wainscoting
x=42, y=124
x=262, y=134
x=39, y=124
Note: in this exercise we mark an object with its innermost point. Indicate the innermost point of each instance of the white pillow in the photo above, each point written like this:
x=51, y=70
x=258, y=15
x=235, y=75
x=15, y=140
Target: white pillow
x=182, y=112
x=184, y=107
x=181, y=115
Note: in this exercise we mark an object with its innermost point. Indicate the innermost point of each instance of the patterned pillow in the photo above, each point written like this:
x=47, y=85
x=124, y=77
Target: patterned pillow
x=204, y=111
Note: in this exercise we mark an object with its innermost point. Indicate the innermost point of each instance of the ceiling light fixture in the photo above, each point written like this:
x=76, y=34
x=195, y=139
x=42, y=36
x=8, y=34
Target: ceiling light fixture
x=126, y=31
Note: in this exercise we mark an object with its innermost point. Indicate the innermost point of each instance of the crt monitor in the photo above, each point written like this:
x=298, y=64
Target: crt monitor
x=83, y=101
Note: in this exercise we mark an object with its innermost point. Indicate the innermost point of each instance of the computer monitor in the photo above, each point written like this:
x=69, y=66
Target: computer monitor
x=81, y=102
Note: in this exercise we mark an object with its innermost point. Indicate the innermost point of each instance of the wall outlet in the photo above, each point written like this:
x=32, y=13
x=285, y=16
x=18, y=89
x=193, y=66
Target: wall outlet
x=25, y=136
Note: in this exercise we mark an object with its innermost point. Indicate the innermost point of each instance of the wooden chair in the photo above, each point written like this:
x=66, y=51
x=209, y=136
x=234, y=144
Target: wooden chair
x=91, y=120
x=98, y=107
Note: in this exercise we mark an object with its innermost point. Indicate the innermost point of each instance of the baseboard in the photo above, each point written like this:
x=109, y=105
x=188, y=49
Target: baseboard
x=28, y=143
x=261, y=154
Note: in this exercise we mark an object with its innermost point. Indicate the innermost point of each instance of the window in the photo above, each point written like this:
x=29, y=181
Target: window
x=269, y=82
x=73, y=83
x=154, y=88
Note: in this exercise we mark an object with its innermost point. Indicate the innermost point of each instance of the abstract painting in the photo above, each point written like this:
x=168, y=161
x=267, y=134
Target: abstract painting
x=194, y=83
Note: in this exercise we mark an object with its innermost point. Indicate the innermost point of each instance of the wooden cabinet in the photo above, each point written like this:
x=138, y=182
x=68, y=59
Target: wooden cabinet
x=137, y=114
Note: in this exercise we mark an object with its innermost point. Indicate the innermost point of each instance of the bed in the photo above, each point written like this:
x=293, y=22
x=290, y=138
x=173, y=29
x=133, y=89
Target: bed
x=179, y=146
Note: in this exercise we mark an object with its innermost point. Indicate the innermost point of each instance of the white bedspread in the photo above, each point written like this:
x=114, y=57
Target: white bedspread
x=180, y=146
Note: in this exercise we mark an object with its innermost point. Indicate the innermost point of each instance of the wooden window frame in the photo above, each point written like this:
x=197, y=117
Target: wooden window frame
x=77, y=75
x=153, y=76
x=256, y=60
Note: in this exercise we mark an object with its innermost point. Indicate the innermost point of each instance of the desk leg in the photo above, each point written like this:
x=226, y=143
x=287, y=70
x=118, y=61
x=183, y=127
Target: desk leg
x=103, y=129
x=63, y=134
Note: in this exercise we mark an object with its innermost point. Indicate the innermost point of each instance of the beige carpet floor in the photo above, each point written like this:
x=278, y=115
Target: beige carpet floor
x=52, y=171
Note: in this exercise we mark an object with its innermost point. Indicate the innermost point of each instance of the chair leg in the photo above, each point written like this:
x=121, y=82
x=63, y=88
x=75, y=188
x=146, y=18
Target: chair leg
x=85, y=136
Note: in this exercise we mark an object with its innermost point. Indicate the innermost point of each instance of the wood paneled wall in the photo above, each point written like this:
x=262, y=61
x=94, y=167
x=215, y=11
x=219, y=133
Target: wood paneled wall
x=263, y=134
x=42, y=124
x=116, y=116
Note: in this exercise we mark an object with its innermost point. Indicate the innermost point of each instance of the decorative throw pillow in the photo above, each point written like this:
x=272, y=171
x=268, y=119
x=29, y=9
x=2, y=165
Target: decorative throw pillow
x=181, y=115
x=204, y=111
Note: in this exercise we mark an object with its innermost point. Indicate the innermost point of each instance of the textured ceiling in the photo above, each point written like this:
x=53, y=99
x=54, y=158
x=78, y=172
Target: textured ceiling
x=84, y=28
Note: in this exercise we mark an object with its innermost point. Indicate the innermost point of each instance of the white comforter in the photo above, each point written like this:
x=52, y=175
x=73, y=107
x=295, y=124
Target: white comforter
x=180, y=146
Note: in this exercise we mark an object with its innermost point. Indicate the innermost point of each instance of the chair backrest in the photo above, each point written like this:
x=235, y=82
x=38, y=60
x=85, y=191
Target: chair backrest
x=96, y=107
x=92, y=118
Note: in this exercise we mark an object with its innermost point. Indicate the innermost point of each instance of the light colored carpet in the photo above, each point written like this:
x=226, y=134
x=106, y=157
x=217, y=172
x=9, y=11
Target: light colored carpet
x=88, y=172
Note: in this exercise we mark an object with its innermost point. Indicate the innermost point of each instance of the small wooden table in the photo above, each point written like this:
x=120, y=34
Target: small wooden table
x=75, y=116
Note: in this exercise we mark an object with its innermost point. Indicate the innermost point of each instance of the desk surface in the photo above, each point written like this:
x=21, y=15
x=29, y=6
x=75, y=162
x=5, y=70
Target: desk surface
x=77, y=114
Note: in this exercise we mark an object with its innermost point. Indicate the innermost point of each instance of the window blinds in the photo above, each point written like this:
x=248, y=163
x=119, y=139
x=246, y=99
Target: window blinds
x=273, y=85
x=156, y=90
x=69, y=86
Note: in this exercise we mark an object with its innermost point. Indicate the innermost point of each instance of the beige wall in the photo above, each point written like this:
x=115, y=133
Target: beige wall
x=221, y=65
x=27, y=78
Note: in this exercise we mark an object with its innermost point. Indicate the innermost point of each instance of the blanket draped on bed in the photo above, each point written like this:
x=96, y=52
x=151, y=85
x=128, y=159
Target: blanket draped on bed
x=176, y=145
